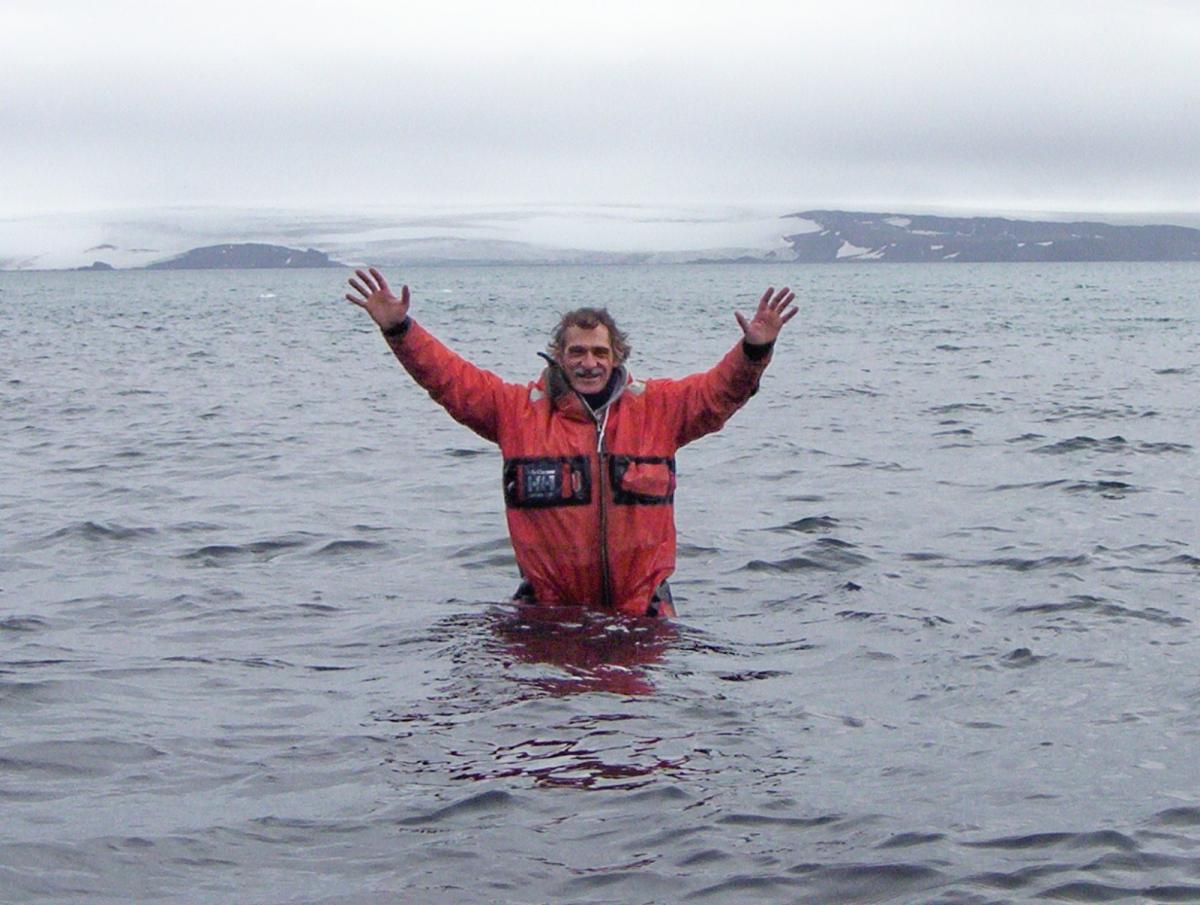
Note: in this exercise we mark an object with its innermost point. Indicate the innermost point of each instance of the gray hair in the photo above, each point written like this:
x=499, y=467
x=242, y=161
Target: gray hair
x=589, y=319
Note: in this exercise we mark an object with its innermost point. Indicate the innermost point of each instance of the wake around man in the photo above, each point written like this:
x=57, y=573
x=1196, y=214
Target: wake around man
x=589, y=452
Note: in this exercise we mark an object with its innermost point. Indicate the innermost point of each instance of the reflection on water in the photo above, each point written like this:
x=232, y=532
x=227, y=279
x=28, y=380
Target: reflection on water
x=597, y=652
x=530, y=661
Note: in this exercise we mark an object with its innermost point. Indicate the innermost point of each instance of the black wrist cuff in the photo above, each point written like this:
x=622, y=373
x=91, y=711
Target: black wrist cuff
x=397, y=331
x=756, y=352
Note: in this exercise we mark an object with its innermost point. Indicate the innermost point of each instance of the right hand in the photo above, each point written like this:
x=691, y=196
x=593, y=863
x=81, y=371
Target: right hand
x=377, y=299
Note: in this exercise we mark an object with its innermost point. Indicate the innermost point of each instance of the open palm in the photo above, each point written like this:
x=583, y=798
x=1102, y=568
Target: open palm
x=377, y=299
x=769, y=318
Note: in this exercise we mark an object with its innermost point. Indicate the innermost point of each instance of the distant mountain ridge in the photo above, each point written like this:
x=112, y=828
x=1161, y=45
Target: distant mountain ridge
x=568, y=236
x=848, y=236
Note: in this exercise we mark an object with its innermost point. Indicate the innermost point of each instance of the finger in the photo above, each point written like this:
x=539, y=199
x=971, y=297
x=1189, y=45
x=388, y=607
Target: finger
x=766, y=297
x=352, y=300
x=404, y=294
x=380, y=281
x=782, y=304
x=357, y=285
x=742, y=322
x=362, y=275
x=782, y=294
x=787, y=317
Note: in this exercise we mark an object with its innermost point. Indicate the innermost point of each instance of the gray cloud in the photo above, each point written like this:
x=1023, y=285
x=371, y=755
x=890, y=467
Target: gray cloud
x=1069, y=105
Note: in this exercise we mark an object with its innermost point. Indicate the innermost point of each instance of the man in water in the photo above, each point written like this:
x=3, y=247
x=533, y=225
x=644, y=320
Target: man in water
x=589, y=452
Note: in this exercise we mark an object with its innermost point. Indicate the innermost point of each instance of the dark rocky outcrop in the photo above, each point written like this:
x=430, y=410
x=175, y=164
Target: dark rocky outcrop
x=248, y=255
x=844, y=236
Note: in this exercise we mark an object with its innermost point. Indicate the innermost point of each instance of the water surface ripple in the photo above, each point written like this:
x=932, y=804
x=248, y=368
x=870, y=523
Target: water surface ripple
x=937, y=584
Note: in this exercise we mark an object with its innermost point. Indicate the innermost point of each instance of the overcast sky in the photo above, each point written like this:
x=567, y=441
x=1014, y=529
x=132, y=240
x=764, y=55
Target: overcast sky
x=978, y=106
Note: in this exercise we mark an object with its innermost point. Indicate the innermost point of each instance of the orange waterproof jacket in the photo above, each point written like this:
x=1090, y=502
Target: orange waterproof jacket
x=589, y=497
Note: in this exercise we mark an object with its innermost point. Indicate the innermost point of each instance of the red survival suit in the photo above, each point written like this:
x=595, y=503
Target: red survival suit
x=589, y=496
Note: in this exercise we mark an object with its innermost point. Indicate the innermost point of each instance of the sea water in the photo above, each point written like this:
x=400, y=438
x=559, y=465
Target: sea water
x=937, y=592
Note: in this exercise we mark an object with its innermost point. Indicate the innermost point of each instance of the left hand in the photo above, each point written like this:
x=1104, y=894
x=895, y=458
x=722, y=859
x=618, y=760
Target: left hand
x=770, y=317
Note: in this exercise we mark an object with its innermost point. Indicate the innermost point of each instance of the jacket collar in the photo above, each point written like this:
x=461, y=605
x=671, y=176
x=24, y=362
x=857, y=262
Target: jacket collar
x=570, y=403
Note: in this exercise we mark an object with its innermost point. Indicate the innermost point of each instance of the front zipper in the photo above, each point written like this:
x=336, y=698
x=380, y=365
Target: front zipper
x=605, y=578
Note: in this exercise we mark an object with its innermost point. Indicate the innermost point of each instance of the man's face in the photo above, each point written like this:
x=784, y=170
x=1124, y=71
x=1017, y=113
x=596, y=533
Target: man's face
x=587, y=357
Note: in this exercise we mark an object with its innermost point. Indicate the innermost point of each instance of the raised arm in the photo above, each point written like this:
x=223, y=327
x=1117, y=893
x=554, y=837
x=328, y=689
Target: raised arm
x=470, y=394
x=702, y=403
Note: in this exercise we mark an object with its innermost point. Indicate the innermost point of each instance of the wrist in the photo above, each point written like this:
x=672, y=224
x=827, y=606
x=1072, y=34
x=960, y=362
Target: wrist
x=396, y=331
x=757, y=351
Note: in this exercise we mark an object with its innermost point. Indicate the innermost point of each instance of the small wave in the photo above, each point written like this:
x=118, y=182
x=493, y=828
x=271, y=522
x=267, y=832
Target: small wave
x=849, y=391
x=1115, y=444
x=1182, y=816
x=1081, y=443
x=486, y=555
x=68, y=759
x=878, y=466
x=258, y=550
x=1111, y=490
x=97, y=532
x=1085, y=603
x=1095, y=413
x=957, y=407
x=812, y=524
x=1028, y=565
x=188, y=527
x=1020, y=658
x=252, y=662
x=342, y=547
x=1084, y=891
x=22, y=624
x=833, y=882
x=320, y=609
x=752, y=675
x=1156, y=448
x=463, y=453
x=791, y=564
x=907, y=840
x=1031, y=485
x=768, y=820
x=506, y=560
x=30, y=696
x=1030, y=841
x=928, y=621
x=500, y=544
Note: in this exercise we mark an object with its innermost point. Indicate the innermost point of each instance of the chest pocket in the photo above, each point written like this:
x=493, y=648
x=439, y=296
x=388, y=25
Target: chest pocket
x=541, y=483
x=642, y=480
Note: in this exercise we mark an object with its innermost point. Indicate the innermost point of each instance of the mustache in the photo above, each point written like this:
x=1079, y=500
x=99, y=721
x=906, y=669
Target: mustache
x=587, y=373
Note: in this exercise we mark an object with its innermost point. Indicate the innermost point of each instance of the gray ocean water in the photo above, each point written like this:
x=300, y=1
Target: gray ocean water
x=938, y=591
